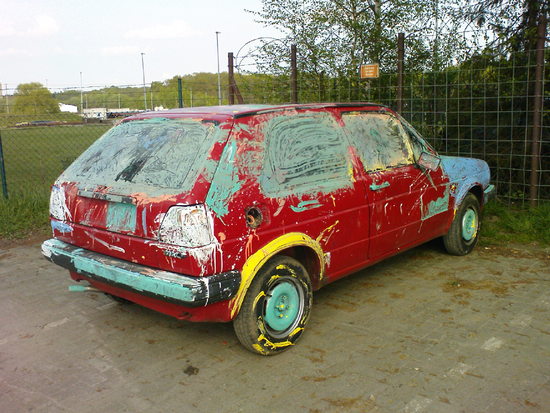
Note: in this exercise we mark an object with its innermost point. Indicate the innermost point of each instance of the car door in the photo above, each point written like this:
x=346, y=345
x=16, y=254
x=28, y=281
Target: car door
x=308, y=170
x=399, y=192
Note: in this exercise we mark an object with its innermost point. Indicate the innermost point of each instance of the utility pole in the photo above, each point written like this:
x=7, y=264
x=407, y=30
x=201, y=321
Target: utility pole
x=81, y=96
x=400, y=65
x=144, y=90
x=293, y=75
x=219, y=82
x=7, y=100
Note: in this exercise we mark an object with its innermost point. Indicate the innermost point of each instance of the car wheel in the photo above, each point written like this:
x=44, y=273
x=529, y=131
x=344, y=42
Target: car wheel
x=464, y=232
x=276, y=307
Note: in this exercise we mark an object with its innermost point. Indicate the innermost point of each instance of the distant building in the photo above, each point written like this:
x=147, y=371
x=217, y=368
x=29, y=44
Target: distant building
x=95, y=113
x=107, y=113
x=121, y=112
x=68, y=108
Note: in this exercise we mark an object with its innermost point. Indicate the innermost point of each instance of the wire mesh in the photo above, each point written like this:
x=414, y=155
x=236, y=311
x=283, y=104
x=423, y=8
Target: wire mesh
x=482, y=107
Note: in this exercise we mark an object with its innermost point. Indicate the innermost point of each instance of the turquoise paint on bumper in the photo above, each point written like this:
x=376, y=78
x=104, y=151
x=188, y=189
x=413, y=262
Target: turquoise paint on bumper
x=164, y=285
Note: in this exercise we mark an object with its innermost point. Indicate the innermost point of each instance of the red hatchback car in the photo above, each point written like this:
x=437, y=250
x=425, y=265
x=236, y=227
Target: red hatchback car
x=239, y=213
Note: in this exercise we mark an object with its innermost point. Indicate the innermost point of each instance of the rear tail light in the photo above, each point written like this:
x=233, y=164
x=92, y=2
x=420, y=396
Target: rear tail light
x=186, y=226
x=58, y=204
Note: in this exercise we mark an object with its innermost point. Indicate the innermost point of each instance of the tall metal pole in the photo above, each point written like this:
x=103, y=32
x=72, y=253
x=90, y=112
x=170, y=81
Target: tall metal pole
x=144, y=90
x=219, y=81
x=537, y=111
x=400, y=61
x=3, y=171
x=231, y=94
x=81, y=95
x=293, y=75
x=180, y=93
x=7, y=100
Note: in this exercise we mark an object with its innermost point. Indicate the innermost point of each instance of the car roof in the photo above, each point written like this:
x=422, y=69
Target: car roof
x=222, y=113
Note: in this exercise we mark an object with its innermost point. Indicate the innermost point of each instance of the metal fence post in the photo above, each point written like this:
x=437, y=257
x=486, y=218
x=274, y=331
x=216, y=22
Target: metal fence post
x=537, y=112
x=3, y=170
x=400, y=64
x=230, y=75
x=293, y=75
x=180, y=93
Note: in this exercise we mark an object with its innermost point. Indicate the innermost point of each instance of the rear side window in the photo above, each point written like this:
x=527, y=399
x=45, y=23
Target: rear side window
x=159, y=153
x=379, y=139
x=305, y=153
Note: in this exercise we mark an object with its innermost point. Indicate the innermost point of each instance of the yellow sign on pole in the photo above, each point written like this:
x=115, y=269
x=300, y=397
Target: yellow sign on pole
x=371, y=71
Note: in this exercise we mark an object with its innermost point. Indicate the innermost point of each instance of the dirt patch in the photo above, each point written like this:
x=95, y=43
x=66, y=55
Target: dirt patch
x=498, y=288
x=33, y=239
x=5, y=255
x=349, y=403
x=517, y=251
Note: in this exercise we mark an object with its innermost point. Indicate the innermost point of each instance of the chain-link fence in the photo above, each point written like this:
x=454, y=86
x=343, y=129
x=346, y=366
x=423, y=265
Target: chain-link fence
x=482, y=107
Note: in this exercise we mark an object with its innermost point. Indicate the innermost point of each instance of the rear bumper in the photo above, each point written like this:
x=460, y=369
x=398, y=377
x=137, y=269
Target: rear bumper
x=489, y=193
x=163, y=285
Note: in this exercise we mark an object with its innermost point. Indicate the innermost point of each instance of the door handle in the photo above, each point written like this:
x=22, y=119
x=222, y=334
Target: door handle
x=376, y=187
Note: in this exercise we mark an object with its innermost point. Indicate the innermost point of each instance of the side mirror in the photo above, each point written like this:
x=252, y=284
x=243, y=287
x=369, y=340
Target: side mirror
x=428, y=161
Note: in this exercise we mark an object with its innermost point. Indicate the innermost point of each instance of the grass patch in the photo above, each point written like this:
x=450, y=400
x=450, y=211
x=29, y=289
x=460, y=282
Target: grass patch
x=504, y=224
x=23, y=215
x=34, y=157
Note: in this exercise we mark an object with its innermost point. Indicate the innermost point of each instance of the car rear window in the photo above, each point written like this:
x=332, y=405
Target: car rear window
x=155, y=153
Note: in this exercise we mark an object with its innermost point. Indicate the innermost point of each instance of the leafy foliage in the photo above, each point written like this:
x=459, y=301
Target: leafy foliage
x=34, y=98
x=513, y=21
x=336, y=36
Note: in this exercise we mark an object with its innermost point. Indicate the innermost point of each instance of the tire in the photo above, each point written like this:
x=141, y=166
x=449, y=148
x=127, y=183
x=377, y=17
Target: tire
x=276, y=307
x=464, y=232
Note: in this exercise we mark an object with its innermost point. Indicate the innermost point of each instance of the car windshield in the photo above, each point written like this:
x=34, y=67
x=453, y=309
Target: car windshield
x=155, y=153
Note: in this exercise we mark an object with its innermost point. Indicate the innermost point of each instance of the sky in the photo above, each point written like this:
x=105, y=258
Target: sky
x=53, y=41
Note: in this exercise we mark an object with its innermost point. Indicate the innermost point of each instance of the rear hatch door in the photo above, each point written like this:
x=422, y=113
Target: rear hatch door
x=127, y=180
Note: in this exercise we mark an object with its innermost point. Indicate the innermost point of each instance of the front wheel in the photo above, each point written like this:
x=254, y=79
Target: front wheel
x=276, y=307
x=464, y=232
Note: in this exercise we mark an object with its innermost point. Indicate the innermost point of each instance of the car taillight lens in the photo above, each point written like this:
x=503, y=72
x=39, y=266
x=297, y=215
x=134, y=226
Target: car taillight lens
x=58, y=204
x=186, y=226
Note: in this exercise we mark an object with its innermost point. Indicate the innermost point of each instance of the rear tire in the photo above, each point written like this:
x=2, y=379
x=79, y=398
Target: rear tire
x=276, y=307
x=464, y=232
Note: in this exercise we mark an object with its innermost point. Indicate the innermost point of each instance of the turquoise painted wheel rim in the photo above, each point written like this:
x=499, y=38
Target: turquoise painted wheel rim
x=283, y=308
x=469, y=225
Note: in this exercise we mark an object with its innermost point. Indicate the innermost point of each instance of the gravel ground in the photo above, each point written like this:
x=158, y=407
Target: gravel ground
x=421, y=332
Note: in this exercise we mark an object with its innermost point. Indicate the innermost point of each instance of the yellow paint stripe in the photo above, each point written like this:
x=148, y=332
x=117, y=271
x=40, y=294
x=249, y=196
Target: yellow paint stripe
x=260, y=257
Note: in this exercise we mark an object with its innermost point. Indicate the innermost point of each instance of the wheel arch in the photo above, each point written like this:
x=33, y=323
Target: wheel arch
x=477, y=190
x=299, y=246
x=474, y=188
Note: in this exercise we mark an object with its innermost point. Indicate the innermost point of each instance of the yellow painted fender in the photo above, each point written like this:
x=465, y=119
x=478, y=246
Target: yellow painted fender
x=260, y=257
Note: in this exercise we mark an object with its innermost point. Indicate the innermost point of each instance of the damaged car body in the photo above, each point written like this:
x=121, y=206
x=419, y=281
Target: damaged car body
x=239, y=213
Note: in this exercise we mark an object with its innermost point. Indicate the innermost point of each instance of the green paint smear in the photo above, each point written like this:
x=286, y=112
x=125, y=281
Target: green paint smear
x=305, y=205
x=155, y=157
x=225, y=182
x=121, y=217
x=305, y=154
x=438, y=206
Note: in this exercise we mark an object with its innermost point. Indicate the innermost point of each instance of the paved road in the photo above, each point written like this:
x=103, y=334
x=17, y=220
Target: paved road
x=422, y=332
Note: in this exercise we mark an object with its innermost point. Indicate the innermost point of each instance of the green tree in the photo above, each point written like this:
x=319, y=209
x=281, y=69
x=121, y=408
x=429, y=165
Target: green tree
x=34, y=99
x=514, y=22
x=335, y=36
